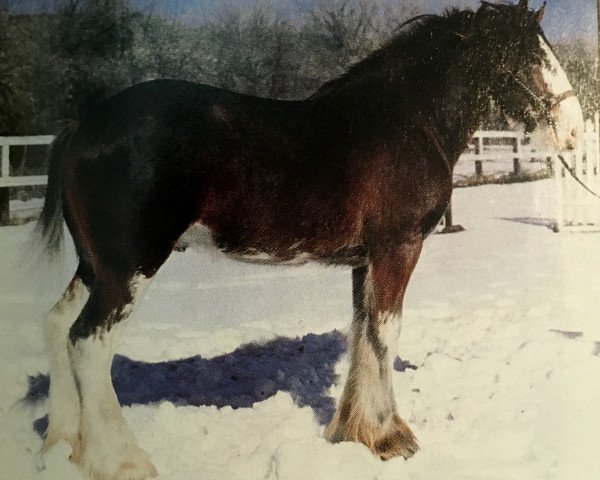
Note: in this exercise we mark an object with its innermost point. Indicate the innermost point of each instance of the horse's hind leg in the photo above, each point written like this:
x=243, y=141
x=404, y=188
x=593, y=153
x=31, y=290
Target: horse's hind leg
x=105, y=448
x=367, y=410
x=63, y=416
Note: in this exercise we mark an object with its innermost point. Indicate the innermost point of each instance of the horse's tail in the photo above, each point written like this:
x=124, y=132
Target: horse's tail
x=49, y=227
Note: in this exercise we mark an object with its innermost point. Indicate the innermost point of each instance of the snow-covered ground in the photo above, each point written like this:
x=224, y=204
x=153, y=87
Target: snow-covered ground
x=501, y=322
x=465, y=168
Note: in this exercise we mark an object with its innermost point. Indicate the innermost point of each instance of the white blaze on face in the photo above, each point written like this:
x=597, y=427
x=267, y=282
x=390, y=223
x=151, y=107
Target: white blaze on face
x=567, y=115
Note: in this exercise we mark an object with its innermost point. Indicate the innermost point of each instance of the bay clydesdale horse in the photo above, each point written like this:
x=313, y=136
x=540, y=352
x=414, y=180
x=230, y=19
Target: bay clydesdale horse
x=356, y=175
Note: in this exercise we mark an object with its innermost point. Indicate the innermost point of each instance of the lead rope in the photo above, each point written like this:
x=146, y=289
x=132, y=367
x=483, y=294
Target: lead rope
x=574, y=175
x=546, y=111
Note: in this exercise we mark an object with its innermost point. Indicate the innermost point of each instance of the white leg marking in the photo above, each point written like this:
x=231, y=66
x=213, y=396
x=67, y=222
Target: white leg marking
x=106, y=448
x=367, y=409
x=373, y=368
x=568, y=117
x=63, y=416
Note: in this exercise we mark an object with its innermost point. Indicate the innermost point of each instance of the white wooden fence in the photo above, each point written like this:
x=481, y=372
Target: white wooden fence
x=7, y=180
x=493, y=152
x=578, y=209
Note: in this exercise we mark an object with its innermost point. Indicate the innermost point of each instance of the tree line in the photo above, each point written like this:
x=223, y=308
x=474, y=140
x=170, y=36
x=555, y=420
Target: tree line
x=54, y=65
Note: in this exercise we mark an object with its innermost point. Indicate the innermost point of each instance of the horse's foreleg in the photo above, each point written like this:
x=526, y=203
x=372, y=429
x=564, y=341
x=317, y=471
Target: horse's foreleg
x=105, y=448
x=367, y=409
x=63, y=415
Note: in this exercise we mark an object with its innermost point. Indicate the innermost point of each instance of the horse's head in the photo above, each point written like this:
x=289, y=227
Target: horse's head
x=529, y=84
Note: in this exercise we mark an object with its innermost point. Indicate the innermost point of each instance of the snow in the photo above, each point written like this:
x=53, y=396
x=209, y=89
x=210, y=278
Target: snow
x=465, y=168
x=500, y=321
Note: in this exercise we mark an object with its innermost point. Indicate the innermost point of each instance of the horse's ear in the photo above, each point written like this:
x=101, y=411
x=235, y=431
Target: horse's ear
x=539, y=15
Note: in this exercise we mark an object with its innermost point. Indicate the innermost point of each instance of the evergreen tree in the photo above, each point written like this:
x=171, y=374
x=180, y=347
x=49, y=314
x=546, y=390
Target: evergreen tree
x=95, y=37
x=255, y=53
x=31, y=75
x=578, y=60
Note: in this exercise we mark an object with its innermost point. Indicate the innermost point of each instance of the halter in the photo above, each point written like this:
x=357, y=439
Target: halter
x=545, y=105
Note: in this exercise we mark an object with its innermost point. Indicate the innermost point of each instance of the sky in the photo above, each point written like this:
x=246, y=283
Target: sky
x=565, y=19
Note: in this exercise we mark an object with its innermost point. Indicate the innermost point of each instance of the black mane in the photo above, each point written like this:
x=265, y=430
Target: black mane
x=428, y=44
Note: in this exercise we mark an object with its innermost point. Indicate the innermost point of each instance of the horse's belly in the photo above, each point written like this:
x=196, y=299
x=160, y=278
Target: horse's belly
x=201, y=237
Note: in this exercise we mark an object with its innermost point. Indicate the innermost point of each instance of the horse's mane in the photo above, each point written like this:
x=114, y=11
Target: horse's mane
x=420, y=42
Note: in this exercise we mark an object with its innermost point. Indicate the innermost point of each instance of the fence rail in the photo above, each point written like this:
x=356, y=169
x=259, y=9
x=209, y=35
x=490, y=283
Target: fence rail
x=489, y=148
x=577, y=209
x=7, y=181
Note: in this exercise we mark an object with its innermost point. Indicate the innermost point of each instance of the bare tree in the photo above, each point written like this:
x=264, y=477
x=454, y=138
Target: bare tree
x=348, y=28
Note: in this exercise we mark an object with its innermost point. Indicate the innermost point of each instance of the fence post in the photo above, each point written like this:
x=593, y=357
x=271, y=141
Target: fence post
x=558, y=178
x=5, y=170
x=517, y=160
x=8, y=181
x=478, y=168
x=4, y=206
x=479, y=163
x=5, y=192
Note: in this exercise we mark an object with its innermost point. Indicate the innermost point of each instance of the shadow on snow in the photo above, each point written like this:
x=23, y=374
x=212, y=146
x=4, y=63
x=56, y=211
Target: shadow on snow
x=304, y=367
x=538, y=222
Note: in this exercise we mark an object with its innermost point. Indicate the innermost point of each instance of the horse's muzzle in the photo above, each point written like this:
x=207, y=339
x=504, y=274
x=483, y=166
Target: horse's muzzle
x=568, y=125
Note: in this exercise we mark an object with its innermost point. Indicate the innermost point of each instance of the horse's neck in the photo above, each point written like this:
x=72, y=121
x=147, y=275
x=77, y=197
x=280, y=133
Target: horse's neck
x=459, y=109
x=449, y=115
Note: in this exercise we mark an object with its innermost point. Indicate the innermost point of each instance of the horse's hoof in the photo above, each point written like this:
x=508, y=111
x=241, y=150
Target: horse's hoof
x=134, y=464
x=392, y=438
x=395, y=443
x=129, y=470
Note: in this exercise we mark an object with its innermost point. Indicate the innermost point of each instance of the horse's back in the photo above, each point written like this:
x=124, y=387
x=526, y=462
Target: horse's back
x=159, y=156
x=268, y=178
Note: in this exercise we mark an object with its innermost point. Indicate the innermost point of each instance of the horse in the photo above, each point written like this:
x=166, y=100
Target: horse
x=357, y=174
